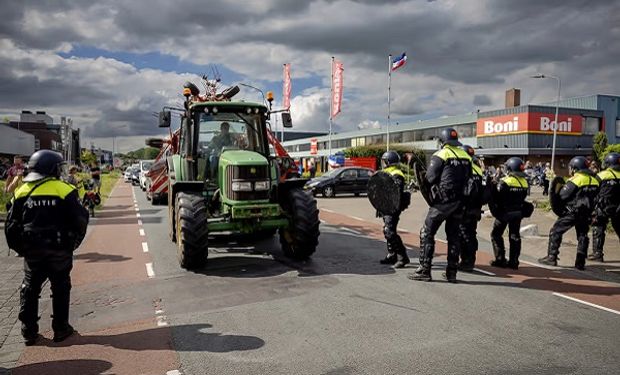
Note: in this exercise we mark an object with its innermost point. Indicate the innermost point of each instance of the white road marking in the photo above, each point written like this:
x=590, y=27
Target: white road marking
x=145, y=247
x=136, y=208
x=484, y=272
x=539, y=265
x=350, y=230
x=587, y=303
x=404, y=231
x=174, y=372
x=161, y=321
x=149, y=270
x=159, y=312
x=357, y=218
x=138, y=214
x=327, y=210
x=140, y=222
x=142, y=232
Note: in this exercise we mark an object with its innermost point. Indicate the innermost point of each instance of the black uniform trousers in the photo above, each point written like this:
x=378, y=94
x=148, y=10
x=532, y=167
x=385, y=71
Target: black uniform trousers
x=394, y=242
x=581, y=222
x=513, y=222
x=468, y=231
x=452, y=214
x=36, y=272
x=598, y=230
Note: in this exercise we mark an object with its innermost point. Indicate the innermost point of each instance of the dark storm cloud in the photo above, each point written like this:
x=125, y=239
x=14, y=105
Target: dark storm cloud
x=481, y=100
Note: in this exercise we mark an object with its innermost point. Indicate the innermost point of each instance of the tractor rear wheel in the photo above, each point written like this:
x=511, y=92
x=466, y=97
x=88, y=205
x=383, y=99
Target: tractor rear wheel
x=300, y=239
x=191, y=230
x=172, y=231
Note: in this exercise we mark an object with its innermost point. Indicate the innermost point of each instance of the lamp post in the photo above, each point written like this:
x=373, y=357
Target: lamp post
x=557, y=108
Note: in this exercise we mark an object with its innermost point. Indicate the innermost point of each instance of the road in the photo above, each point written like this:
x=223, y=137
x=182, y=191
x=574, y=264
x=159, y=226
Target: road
x=252, y=311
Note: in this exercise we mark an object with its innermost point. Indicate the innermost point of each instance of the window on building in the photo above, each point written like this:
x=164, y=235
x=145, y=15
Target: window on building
x=396, y=137
x=591, y=125
x=37, y=144
x=467, y=130
x=409, y=136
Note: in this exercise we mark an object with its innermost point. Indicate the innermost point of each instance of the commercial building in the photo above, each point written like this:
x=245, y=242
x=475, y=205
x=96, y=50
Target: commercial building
x=521, y=130
x=14, y=142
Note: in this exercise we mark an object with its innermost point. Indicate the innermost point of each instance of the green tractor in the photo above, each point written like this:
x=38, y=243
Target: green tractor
x=225, y=180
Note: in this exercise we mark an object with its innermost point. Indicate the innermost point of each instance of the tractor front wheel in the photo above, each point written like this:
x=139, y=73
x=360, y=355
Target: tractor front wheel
x=300, y=239
x=191, y=230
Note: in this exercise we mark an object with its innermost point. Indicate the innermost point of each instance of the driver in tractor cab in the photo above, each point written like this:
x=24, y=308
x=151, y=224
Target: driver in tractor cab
x=224, y=139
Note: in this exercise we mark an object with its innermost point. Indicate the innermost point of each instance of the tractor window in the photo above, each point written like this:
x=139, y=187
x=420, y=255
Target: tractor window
x=223, y=131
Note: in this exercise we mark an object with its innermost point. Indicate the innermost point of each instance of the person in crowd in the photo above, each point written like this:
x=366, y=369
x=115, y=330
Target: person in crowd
x=448, y=173
x=45, y=224
x=312, y=168
x=594, y=167
x=508, y=200
x=14, y=175
x=95, y=174
x=396, y=251
x=72, y=177
x=547, y=176
x=578, y=194
x=607, y=205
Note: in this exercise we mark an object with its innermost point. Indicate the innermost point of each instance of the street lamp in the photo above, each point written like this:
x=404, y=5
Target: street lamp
x=557, y=107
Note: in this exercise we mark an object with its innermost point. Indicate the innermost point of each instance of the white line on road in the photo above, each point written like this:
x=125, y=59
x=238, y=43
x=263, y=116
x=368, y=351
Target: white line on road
x=149, y=270
x=356, y=218
x=350, y=230
x=136, y=208
x=327, y=210
x=539, y=265
x=587, y=303
x=140, y=222
x=161, y=321
x=138, y=214
x=145, y=247
x=142, y=232
x=484, y=272
x=159, y=312
x=174, y=372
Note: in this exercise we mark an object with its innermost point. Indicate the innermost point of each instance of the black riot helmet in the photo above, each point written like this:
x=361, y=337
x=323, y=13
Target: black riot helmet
x=578, y=164
x=612, y=160
x=471, y=152
x=449, y=136
x=44, y=163
x=389, y=158
x=515, y=166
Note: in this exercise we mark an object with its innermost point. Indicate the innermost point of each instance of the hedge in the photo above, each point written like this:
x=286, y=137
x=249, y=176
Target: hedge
x=378, y=150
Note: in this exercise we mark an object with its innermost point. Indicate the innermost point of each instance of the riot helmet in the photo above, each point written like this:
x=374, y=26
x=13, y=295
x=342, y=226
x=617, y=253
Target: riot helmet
x=472, y=153
x=612, y=160
x=389, y=158
x=578, y=164
x=44, y=163
x=449, y=136
x=515, y=166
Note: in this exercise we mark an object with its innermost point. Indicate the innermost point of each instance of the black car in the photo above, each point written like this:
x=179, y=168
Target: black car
x=347, y=180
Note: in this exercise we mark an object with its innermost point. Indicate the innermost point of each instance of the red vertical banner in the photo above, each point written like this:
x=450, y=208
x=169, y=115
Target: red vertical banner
x=286, y=87
x=337, y=87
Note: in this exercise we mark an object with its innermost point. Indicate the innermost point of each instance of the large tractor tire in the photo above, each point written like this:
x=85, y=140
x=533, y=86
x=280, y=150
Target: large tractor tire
x=300, y=239
x=172, y=230
x=191, y=230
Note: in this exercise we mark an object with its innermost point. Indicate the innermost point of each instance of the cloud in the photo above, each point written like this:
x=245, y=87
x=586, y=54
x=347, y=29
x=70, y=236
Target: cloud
x=481, y=100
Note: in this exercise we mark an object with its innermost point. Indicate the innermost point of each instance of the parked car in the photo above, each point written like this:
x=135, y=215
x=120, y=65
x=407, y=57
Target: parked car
x=135, y=174
x=145, y=165
x=347, y=180
x=127, y=174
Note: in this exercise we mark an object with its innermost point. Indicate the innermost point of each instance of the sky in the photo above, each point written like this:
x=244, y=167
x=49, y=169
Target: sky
x=110, y=64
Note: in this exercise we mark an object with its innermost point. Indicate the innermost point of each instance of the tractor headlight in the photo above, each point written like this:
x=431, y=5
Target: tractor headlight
x=242, y=186
x=261, y=185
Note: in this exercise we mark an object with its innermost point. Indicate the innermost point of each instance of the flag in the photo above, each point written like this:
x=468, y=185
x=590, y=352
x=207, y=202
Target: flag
x=286, y=87
x=337, y=87
x=399, y=61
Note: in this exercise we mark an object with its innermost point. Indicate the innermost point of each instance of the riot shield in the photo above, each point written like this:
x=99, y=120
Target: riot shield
x=558, y=206
x=384, y=193
x=423, y=185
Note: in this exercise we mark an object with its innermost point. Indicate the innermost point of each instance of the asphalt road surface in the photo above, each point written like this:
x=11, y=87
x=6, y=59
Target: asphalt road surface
x=253, y=311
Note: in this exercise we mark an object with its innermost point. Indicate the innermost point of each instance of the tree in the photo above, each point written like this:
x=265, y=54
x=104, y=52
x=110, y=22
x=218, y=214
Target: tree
x=88, y=157
x=599, y=144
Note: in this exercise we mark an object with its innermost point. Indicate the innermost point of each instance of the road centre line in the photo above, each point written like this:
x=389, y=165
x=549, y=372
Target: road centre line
x=140, y=222
x=145, y=247
x=586, y=303
x=149, y=270
x=174, y=372
x=161, y=320
x=328, y=210
x=138, y=214
x=142, y=232
x=136, y=208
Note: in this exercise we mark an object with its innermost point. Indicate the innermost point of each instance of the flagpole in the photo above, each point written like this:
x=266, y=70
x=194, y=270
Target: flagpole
x=331, y=104
x=388, y=100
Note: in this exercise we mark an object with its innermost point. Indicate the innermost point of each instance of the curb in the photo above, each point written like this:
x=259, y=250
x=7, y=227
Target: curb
x=2, y=217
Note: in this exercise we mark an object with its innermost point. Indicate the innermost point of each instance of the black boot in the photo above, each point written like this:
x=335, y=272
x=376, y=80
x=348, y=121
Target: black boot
x=450, y=275
x=549, y=260
x=580, y=262
x=499, y=262
x=389, y=259
x=402, y=257
x=64, y=333
x=422, y=273
x=30, y=334
x=466, y=265
x=596, y=256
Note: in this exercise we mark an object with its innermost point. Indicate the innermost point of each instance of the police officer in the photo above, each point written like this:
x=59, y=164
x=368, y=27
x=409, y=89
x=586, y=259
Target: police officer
x=607, y=205
x=46, y=222
x=397, y=253
x=479, y=196
x=448, y=174
x=579, y=195
x=509, y=199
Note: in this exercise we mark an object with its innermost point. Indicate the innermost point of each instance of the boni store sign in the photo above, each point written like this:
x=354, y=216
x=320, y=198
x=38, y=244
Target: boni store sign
x=529, y=122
